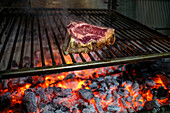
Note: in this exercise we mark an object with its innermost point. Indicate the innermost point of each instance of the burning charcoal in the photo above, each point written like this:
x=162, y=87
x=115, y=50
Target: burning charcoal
x=86, y=94
x=113, y=108
x=116, y=98
x=113, y=87
x=86, y=111
x=139, y=108
x=4, y=84
x=100, y=79
x=108, y=77
x=162, y=92
x=5, y=100
x=152, y=104
x=109, y=95
x=93, y=85
x=29, y=101
x=103, y=85
x=129, y=98
x=42, y=95
x=115, y=82
x=70, y=76
x=138, y=97
x=135, y=87
x=97, y=100
x=126, y=93
x=129, y=83
x=67, y=92
x=57, y=90
x=45, y=107
x=150, y=82
x=59, y=111
x=75, y=110
x=121, y=92
x=48, y=112
x=98, y=104
x=91, y=108
x=100, y=89
x=130, y=110
x=64, y=109
x=50, y=89
x=123, y=102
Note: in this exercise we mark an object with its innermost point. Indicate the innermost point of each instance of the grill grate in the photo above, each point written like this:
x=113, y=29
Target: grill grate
x=32, y=40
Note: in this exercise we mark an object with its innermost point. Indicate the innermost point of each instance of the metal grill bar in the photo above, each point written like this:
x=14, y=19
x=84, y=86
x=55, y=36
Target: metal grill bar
x=47, y=30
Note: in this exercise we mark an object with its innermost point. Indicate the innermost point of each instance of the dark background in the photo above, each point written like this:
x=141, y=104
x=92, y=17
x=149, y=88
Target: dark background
x=153, y=13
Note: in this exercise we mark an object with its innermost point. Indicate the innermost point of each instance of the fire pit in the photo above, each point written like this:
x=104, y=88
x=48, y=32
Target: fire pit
x=37, y=77
x=123, y=88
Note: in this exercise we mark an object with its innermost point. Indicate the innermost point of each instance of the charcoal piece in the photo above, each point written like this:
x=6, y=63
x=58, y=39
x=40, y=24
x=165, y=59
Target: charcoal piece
x=138, y=97
x=42, y=95
x=64, y=109
x=139, y=108
x=103, y=85
x=59, y=111
x=97, y=100
x=100, y=89
x=100, y=79
x=5, y=100
x=100, y=108
x=162, y=92
x=129, y=83
x=121, y=92
x=135, y=87
x=98, y=104
x=108, y=82
x=129, y=98
x=67, y=92
x=86, y=111
x=151, y=104
x=29, y=101
x=130, y=110
x=108, y=97
x=113, y=108
x=50, y=89
x=70, y=76
x=123, y=102
x=150, y=82
x=4, y=83
x=126, y=93
x=108, y=77
x=75, y=110
x=57, y=90
x=48, y=112
x=45, y=107
x=86, y=94
x=115, y=82
x=92, y=108
x=93, y=85
x=62, y=92
x=113, y=87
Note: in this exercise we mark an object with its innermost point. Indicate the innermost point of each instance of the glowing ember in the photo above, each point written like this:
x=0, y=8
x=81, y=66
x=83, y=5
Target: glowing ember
x=108, y=91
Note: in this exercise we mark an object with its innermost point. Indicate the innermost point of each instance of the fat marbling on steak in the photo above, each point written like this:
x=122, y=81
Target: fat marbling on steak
x=83, y=37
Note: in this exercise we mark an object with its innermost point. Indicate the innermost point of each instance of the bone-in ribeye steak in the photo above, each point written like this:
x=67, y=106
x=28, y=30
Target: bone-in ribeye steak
x=85, y=37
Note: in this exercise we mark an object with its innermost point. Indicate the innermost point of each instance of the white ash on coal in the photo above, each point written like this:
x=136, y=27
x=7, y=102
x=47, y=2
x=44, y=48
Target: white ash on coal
x=103, y=90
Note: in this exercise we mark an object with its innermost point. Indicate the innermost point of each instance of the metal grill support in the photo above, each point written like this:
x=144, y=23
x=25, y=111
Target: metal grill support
x=38, y=34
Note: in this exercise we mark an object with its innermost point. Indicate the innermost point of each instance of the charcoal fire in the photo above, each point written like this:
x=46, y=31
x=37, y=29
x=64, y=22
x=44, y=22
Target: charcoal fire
x=101, y=90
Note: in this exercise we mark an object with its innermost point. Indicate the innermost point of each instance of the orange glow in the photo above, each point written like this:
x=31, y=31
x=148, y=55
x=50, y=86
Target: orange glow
x=79, y=82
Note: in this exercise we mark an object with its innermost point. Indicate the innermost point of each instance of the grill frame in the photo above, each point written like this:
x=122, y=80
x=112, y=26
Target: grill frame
x=125, y=28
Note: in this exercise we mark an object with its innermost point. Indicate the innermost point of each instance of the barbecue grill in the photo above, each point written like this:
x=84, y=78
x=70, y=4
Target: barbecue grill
x=23, y=31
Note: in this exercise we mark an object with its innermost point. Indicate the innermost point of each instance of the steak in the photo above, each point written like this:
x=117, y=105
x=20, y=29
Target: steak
x=83, y=37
